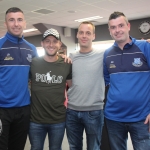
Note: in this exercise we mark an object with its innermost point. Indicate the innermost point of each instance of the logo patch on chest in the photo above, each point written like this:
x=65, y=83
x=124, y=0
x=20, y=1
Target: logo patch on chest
x=137, y=62
x=112, y=65
x=8, y=57
x=29, y=57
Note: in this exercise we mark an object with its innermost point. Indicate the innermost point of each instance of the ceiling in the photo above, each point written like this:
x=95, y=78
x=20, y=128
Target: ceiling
x=64, y=12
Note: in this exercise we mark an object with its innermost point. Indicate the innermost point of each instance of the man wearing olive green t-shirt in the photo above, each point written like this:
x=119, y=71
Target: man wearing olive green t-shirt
x=49, y=75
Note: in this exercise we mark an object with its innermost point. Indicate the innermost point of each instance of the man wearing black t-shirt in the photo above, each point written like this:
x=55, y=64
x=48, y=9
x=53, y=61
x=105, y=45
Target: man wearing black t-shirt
x=49, y=75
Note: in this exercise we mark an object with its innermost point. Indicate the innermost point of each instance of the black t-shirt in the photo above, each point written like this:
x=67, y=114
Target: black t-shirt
x=48, y=83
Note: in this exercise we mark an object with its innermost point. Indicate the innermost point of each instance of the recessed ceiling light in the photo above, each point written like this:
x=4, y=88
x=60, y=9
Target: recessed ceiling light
x=88, y=19
x=44, y=11
x=29, y=30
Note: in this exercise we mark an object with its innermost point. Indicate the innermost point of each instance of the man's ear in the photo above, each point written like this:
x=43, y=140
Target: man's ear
x=60, y=43
x=109, y=30
x=94, y=36
x=25, y=25
x=129, y=26
x=42, y=43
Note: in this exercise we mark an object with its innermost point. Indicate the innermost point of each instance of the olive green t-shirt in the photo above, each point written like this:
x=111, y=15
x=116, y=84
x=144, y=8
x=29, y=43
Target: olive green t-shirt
x=48, y=83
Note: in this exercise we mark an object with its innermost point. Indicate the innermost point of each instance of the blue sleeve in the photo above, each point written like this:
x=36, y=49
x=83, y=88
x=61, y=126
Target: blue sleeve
x=35, y=54
x=144, y=46
x=2, y=41
x=105, y=70
x=147, y=52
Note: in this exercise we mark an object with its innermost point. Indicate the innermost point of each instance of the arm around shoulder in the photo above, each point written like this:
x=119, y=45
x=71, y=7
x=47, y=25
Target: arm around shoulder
x=69, y=83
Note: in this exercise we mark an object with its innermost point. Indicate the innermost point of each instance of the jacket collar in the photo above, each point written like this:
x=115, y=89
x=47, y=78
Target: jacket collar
x=128, y=44
x=13, y=38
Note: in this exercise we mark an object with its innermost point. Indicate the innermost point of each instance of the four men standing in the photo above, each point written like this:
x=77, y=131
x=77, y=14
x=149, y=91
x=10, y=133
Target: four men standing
x=126, y=70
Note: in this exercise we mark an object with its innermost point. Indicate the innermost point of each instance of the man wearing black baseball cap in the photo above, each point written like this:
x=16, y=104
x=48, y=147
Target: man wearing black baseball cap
x=49, y=75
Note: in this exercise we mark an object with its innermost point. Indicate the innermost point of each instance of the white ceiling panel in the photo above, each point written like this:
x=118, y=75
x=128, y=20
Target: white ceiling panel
x=106, y=5
x=27, y=7
x=5, y=4
x=57, y=1
x=41, y=4
x=96, y=10
x=91, y=1
x=67, y=5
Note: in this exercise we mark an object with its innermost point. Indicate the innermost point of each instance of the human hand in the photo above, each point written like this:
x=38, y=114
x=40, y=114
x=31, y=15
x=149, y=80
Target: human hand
x=148, y=40
x=147, y=121
x=66, y=59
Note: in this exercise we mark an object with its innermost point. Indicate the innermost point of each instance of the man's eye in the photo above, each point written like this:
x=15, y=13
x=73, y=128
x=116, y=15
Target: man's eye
x=112, y=27
x=20, y=19
x=11, y=20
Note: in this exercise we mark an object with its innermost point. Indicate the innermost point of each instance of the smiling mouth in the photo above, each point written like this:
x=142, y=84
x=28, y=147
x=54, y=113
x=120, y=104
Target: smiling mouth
x=83, y=41
x=16, y=29
x=51, y=50
x=118, y=35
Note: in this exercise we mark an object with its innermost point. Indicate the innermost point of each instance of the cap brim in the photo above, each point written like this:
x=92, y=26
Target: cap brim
x=50, y=35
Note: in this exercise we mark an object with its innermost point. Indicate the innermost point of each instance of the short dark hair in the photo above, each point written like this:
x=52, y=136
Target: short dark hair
x=88, y=22
x=13, y=9
x=117, y=14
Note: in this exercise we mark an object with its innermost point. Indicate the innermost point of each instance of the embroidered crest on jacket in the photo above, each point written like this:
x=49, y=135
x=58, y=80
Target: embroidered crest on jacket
x=137, y=62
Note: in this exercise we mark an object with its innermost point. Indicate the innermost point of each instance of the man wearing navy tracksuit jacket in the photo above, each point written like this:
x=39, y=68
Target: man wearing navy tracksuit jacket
x=127, y=72
x=15, y=57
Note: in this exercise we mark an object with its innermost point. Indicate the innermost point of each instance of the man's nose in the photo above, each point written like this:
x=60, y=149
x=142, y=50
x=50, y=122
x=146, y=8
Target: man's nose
x=117, y=29
x=16, y=23
x=84, y=34
x=50, y=44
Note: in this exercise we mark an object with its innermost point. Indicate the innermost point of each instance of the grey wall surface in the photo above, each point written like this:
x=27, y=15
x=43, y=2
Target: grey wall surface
x=135, y=31
x=35, y=40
